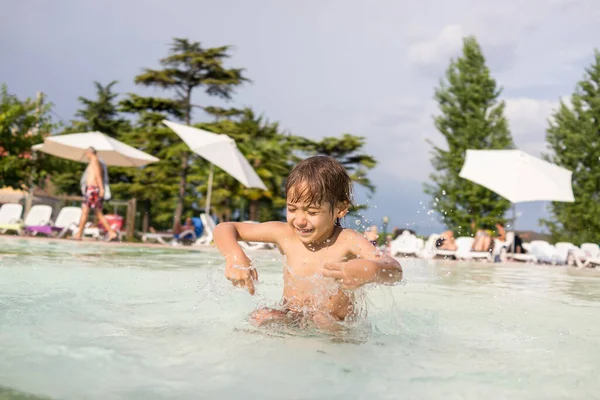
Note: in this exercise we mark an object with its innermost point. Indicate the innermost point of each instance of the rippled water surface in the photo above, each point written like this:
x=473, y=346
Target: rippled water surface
x=91, y=321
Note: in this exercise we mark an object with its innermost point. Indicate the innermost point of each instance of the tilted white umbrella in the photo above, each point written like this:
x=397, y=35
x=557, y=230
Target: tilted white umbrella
x=518, y=176
x=219, y=150
x=111, y=151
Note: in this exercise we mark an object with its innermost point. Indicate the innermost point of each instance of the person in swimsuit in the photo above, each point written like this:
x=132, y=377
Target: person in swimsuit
x=324, y=263
x=94, y=194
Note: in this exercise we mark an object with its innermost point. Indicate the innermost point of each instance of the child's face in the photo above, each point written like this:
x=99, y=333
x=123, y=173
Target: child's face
x=311, y=222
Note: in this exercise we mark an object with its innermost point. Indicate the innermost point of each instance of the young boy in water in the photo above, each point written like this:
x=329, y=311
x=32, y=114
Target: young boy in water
x=324, y=262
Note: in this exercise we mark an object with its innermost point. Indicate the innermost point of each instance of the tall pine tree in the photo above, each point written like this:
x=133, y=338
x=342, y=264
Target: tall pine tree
x=573, y=136
x=188, y=67
x=472, y=117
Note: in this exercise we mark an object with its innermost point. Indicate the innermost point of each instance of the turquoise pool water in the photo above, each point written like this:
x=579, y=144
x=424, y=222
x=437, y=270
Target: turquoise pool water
x=89, y=321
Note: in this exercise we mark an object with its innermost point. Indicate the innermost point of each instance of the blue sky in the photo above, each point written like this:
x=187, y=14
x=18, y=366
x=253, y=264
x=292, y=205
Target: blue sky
x=321, y=68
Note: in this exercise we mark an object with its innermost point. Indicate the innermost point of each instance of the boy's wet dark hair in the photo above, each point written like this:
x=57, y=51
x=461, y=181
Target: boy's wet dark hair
x=319, y=179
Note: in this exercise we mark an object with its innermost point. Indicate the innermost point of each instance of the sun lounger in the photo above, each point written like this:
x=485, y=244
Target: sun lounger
x=37, y=215
x=187, y=236
x=160, y=237
x=544, y=252
x=565, y=251
x=67, y=220
x=465, y=250
x=10, y=217
x=506, y=252
x=405, y=245
x=207, y=233
x=587, y=256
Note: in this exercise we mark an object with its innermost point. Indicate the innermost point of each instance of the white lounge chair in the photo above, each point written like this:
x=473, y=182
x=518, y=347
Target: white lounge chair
x=465, y=252
x=10, y=217
x=565, y=251
x=406, y=244
x=66, y=220
x=209, y=226
x=506, y=251
x=588, y=256
x=38, y=215
x=544, y=252
x=429, y=250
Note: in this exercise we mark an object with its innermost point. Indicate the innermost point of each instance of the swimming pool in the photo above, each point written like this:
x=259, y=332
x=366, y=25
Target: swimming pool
x=90, y=321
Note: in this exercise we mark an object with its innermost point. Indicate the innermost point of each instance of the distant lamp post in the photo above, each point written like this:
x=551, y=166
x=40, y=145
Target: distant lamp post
x=386, y=221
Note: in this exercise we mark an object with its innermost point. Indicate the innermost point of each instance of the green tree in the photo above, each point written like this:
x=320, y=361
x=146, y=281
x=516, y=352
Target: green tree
x=23, y=123
x=188, y=67
x=348, y=150
x=101, y=114
x=471, y=117
x=573, y=136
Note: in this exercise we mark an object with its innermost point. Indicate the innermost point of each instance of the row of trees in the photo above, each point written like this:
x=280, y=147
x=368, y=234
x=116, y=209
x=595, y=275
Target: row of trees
x=472, y=117
x=171, y=189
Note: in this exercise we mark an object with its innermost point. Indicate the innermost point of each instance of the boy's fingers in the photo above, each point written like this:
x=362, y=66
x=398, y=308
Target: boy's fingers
x=336, y=274
x=249, y=283
x=333, y=266
x=254, y=274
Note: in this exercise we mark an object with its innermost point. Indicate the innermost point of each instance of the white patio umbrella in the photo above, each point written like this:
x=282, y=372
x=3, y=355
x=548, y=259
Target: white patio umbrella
x=219, y=150
x=518, y=176
x=111, y=151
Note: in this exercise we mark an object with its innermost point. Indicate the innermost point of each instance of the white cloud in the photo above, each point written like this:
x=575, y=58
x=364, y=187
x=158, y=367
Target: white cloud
x=439, y=49
x=528, y=116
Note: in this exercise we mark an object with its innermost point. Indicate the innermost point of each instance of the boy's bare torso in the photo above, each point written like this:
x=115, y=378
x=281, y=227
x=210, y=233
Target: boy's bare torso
x=305, y=289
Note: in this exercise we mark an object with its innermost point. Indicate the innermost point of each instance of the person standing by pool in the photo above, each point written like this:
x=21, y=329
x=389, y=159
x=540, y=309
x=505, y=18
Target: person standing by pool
x=324, y=262
x=93, y=183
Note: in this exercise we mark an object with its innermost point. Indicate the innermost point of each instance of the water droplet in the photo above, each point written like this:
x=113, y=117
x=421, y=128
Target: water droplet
x=430, y=212
x=443, y=192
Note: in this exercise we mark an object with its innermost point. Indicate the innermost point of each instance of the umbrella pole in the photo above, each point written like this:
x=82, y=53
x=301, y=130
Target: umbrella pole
x=514, y=209
x=209, y=191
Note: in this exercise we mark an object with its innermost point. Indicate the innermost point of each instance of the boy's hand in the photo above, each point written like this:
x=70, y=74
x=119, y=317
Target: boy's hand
x=240, y=273
x=351, y=274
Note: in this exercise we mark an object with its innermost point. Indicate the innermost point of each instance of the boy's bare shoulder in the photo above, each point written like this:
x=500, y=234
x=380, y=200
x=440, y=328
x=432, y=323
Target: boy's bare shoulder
x=350, y=234
x=356, y=243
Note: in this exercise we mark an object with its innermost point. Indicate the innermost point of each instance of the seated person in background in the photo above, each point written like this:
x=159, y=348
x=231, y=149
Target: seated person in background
x=483, y=241
x=372, y=235
x=500, y=232
x=518, y=246
x=187, y=226
x=446, y=241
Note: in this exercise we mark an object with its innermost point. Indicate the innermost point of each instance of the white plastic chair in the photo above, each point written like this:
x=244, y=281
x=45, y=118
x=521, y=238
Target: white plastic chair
x=38, y=215
x=68, y=219
x=209, y=226
x=544, y=252
x=10, y=217
x=406, y=244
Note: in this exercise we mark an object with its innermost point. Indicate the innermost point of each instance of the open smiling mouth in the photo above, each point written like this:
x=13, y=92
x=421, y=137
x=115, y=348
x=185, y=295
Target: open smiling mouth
x=304, y=231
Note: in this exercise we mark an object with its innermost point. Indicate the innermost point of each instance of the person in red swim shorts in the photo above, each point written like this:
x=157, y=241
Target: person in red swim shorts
x=93, y=179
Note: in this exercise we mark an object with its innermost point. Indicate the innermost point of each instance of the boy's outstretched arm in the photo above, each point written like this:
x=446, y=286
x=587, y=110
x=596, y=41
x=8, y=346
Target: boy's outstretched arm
x=369, y=266
x=238, y=267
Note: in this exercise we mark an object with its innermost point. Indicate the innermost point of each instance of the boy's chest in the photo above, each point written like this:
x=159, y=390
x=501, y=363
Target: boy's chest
x=302, y=262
